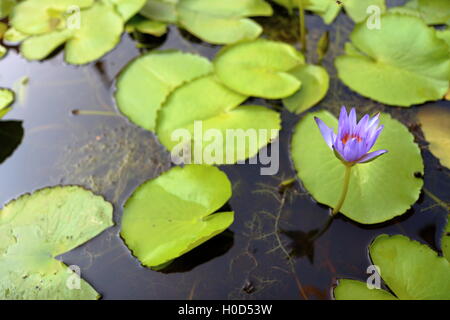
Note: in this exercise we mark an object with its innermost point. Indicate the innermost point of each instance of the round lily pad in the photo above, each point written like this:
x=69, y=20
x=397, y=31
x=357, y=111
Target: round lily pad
x=99, y=33
x=208, y=101
x=35, y=17
x=402, y=64
x=222, y=22
x=36, y=228
x=259, y=68
x=405, y=267
x=41, y=46
x=145, y=84
x=379, y=190
x=315, y=82
x=168, y=216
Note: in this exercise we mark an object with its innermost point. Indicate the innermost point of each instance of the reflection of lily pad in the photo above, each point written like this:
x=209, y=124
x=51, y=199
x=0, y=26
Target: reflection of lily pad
x=379, y=190
x=420, y=73
x=6, y=99
x=259, y=68
x=207, y=100
x=435, y=122
x=405, y=267
x=145, y=84
x=34, y=229
x=172, y=214
x=218, y=21
x=315, y=82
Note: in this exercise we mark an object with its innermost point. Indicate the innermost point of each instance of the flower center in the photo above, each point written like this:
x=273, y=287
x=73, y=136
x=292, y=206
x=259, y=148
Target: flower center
x=350, y=136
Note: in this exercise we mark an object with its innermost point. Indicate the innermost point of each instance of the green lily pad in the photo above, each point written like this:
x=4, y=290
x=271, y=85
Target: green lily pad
x=421, y=73
x=6, y=7
x=3, y=51
x=34, y=17
x=329, y=10
x=160, y=10
x=36, y=228
x=128, y=8
x=379, y=190
x=444, y=35
x=357, y=290
x=445, y=241
x=259, y=68
x=144, y=25
x=222, y=22
x=315, y=82
x=13, y=36
x=99, y=33
x=41, y=46
x=174, y=213
x=431, y=11
x=6, y=99
x=145, y=84
x=435, y=123
x=405, y=268
x=207, y=100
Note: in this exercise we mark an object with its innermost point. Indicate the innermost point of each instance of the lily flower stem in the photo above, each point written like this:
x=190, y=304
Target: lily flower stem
x=301, y=13
x=337, y=208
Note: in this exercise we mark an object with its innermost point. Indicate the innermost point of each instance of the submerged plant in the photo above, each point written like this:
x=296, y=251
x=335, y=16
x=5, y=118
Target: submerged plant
x=352, y=143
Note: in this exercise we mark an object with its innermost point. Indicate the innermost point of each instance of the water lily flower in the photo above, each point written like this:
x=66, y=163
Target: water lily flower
x=353, y=140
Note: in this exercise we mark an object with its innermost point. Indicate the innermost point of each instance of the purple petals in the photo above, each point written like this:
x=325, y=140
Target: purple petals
x=354, y=139
x=371, y=156
x=327, y=132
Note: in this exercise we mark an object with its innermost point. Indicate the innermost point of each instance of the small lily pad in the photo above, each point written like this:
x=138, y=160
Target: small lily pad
x=222, y=22
x=41, y=46
x=6, y=99
x=259, y=68
x=435, y=122
x=35, y=229
x=128, y=8
x=145, y=84
x=144, y=25
x=207, y=100
x=315, y=82
x=160, y=10
x=405, y=268
x=174, y=213
x=421, y=73
x=379, y=190
x=12, y=36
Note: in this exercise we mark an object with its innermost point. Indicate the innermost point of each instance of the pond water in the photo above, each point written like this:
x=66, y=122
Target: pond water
x=266, y=253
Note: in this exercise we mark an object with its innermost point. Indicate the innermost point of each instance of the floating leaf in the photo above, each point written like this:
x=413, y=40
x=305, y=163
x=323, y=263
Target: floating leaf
x=13, y=36
x=357, y=290
x=405, y=268
x=435, y=122
x=41, y=46
x=172, y=214
x=431, y=11
x=444, y=35
x=145, y=84
x=128, y=8
x=379, y=190
x=34, y=17
x=420, y=73
x=315, y=82
x=36, y=228
x=144, y=25
x=259, y=68
x=358, y=9
x=160, y=10
x=6, y=99
x=222, y=22
x=6, y=7
x=207, y=100
x=99, y=33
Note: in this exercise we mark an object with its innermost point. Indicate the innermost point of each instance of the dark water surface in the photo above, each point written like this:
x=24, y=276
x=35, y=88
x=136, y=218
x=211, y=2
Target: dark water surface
x=266, y=253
